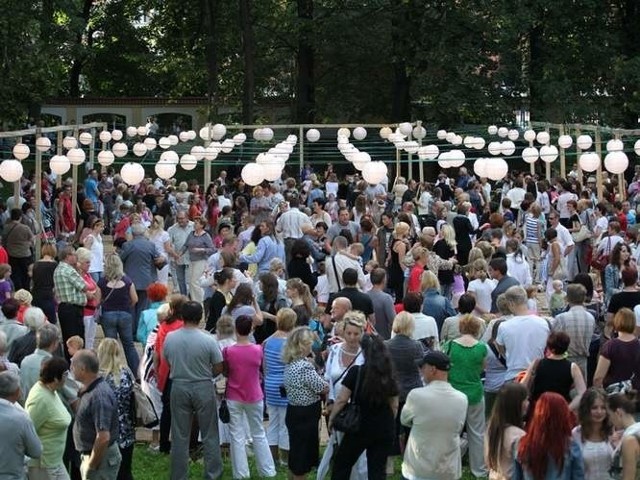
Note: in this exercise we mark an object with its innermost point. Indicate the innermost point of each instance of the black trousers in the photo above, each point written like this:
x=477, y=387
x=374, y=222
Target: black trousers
x=71, y=323
x=165, y=418
x=351, y=448
x=20, y=272
x=127, y=460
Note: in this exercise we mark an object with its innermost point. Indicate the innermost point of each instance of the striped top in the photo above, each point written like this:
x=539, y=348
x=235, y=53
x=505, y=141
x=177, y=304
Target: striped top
x=531, y=229
x=274, y=371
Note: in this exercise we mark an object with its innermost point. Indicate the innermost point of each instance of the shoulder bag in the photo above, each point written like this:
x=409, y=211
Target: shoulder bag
x=98, y=312
x=145, y=412
x=349, y=418
x=602, y=260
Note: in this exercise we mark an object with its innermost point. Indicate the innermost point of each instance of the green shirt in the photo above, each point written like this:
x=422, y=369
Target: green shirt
x=51, y=420
x=69, y=285
x=467, y=364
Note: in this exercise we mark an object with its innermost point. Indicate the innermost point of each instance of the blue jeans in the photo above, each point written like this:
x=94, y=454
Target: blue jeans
x=120, y=325
x=181, y=278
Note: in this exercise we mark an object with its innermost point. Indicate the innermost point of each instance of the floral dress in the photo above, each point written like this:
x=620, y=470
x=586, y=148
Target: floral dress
x=124, y=397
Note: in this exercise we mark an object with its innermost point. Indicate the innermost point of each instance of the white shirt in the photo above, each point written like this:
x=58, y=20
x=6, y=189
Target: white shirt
x=524, y=339
x=322, y=289
x=223, y=202
x=518, y=268
x=482, y=291
x=516, y=195
x=424, y=203
x=564, y=238
x=342, y=262
x=562, y=201
x=543, y=200
x=607, y=243
x=426, y=327
x=290, y=223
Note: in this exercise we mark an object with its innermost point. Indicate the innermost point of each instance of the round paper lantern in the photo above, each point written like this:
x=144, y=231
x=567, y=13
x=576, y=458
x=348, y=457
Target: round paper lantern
x=548, y=153
x=529, y=135
x=374, y=172
x=267, y=133
x=478, y=143
x=69, y=142
x=198, y=152
x=173, y=140
x=192, y=134
x=105, y=158
x=142, y=131
x=227, y=146
x=150, y=143
x=492, y=130
x=405, y=128
x=21, y=151
x=11, y=170
x=170, y=156
x=105, y=136
x=86, y=138
x=419, y=132
x=132, y=131
x=218, y=131
x=115, y=135
x=456, y=158
x=636, y=147
x=165, y=169
x=613, y=145
x=565, y=141
x=272, y=171
x=252, y=174
x=589, y=161
x=503, y=132
x=344, y=132
x=480, y=166
x=313, y=135
x=496, y=169
x=443, y=160
x=205, y=133
x=139, y=149
x=430, y=152
x=59, y=164
x=132, y=173
x=359, y=133
x=263, y=158
x=441, y=134
x=164, y=143
x=508, y=148
x=385, y=132
x=457, y=140
x=411, y=147
x=495, y=148
x=43, y=144
x=76, y=156
x=584, y=142
x=616, y=162
x=513, y=135
x=239, y=138
x=530, y=154
x=184, y=136
x=217, y=146
x=188, y=162
x=468, y=141
x=543, y=138
x=361, y=159
x=211, y=153
x=450, y=137
x=120, y=149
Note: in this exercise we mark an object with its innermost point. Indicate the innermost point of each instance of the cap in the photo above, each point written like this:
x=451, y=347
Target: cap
x=437, y=359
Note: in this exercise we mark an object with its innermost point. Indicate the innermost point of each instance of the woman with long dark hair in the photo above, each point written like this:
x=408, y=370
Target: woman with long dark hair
x=244, y=302
x=547, y=449
x=225, y=282
x=270, y=301
x=301, y=300
x=374, y=389
x=505, y=427
x=298, y=266
x=622, y=409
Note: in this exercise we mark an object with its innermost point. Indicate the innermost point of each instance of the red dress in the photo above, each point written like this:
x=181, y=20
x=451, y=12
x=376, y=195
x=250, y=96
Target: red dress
x=163, y=367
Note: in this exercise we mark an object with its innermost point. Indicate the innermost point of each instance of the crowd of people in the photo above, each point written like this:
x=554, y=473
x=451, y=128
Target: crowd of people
x=421, y=320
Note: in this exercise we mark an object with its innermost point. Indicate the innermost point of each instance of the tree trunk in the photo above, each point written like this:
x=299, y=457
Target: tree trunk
x=210, y=10
x=401, y=84
x=248, y=51
x=78, y=62
x=305, y=86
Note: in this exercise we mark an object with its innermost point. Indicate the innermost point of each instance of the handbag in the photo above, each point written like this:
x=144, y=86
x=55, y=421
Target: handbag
x=581, y=235
x=223, y=411
x=601, y=261
x=160, y=262
x=145, y=412
x=349, y=418
x=98, y=313
x=560, y=272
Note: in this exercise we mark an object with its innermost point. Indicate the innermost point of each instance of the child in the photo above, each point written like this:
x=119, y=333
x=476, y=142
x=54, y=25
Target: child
x=368, y=268
x=25, y=299
x=506, y=210
x=74, y=344
x=331, y=207
x=5, y=282
x=356, y=250
x=532, y=302
x=458, y=286
x=557, y=302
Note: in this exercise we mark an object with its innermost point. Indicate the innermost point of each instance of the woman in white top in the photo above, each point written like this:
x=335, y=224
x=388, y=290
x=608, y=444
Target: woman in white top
x=481, y=287
x=517, y=265
x=331, y=185
x=93, y=242
x=622, y=408
x=160, y=238
x=602, y=223
x=398, y=191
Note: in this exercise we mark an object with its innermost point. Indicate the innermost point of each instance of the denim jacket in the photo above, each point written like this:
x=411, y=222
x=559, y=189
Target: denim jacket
x=572, y=469
x=437, y=306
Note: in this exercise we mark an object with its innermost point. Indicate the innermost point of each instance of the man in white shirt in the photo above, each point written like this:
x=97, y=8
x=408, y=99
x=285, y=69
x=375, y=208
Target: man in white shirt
x=436, y=414
x=611, y=240
x=289, y=225
x=564, y=237
x=523, y=338
x=342, y=260
x=178, y=233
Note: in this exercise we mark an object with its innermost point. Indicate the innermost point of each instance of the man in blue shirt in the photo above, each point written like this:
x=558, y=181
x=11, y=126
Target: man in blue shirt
x=91, y=187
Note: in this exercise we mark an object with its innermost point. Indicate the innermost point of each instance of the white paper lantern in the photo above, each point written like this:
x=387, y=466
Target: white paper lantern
x=131, y=131
x=105, y=136
x=227, y=146
x=120, y=149
x=478, y=143
x=359, y=133
x=503, y=132
x=548, y=153
x=139, y=149
x=411, y=146
x=69, y=142
x=613, y=145
x=21, y=151
x=192, y=134
x=11, y=170
x=428, y=152
x=468, y=141
x=530, y=154
x=211, y=153
x=513, y=134
x=218, y=131
x=198, y=152
x=441, y=134
x=267, y=133
x=456, y=158
x=589, y=161
x=165, y=169
x=565, y=141
x=115, y=135
x=374, y=172
x=492, y=130
x=457, y=140
x=496, y=169
x=43, y=144
x=76, y=156
x=59, y=164
x=636, y=147
x=86, y=138
x=272, y=171
x=239, y=138
x=142, y=131
x=164, y=143
x=173, y=140
x=616, y=162
x=443, y=160
x=205, y=133
x=584, y=142
x=529, y=135
x=406, y=128
x=291, y=139
x=170, y=156
x=543, y=138
x=508, y=148
x=419, y=132
x=150, y=143
x=344, y=132
x=217, y=146
x=361, y=159
x=494, y=148
x=252, y=174
x=188, y=162
x=184, y=136
x=480, y=166
x=105, y=158
x=313, y=135
x=450, y=137
x=385, y=132
x=132, y=173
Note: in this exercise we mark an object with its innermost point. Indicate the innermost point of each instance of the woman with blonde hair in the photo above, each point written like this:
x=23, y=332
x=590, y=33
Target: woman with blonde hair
x=446, y=248
x=301, y=300
x=481, y=286
x=395, y=267
x=115, y=372
x=435, y=304
x=160, y=238
x=421, y=257
x=92, y=292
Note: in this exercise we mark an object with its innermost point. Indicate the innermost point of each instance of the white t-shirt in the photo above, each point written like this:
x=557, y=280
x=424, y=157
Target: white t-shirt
x=322, y=289
x=516, y=195
x=602, y=224
x=607, y=244
x=426, y=327
x=564, y=238
x=524, y=339
x=518, y=268
x=482, y=291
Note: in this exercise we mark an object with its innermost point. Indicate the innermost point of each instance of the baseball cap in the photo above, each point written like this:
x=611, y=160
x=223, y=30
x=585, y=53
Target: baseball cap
x=437, y=359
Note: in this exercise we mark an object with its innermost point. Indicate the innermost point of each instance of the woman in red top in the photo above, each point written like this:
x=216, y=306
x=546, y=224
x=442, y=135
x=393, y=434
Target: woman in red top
x=213, y=212
x=415, y=276
x=195, y=211
x=172, y=323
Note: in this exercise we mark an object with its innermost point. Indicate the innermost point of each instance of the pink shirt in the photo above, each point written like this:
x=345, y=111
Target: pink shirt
x=243, y=363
